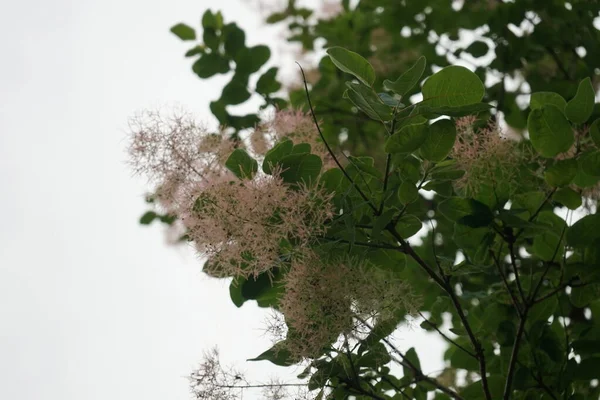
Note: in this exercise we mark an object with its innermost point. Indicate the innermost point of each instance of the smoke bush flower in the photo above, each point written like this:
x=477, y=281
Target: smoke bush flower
x=238, y=225
x=323, y=300
x=486, y=155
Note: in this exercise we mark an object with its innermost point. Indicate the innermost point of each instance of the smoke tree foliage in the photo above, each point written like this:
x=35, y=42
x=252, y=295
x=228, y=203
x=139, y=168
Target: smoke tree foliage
x=474, y=122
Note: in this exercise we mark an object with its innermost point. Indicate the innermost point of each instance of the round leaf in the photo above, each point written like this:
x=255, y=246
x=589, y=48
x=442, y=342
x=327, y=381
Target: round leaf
x=439, y=140
x=549, y=131
x=407, y=140
x=561, y=173
x=453, y=86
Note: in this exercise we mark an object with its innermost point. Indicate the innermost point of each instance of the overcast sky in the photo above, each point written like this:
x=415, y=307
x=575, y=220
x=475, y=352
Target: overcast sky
x=93, y=306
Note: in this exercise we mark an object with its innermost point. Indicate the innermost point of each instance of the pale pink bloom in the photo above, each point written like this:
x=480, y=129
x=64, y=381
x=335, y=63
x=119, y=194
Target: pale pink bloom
x=486, y=155
x=324, y=299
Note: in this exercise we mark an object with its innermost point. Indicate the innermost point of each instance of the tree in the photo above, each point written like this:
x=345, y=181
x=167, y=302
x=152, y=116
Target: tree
x=489, y=139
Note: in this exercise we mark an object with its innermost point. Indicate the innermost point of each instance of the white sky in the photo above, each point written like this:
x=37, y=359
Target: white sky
x=93, y=306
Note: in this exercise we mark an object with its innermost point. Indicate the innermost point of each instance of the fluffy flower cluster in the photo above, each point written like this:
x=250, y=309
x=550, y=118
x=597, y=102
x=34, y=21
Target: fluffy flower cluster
x=238, y=225
x=486, y=155
x=324, y=300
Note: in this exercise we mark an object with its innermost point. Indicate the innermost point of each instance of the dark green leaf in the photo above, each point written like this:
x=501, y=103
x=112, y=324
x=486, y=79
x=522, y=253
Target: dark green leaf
x=241, y=164
x=407, y=80
x=590, y=163
x=148, y=217
x=561, y=173
x=408, y=225
x=439, y=140
x=549, y=131
x=234, y=40
x=412, y=357
x=210, y=64
x=585, y=231
x=408, y=139
x=235, y=92
x=580, y=107
x=249, y=60
x=274, y=156
x=407, y=193
x=301, y=168
x=301, y=148
x=267, y=83
x=352, y=63
x=568, y=197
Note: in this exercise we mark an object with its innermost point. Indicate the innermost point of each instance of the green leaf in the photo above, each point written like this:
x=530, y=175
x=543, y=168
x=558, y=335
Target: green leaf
x=478, y=49
x=235, y=292
x=568, y=197
x=366, y=100
x=583, y=179
x=580, y=107
x=408, y=192
x=453, y=86
x=455, y=208
x=380, y=222
x=301, y=148
x=595, y=132
x=332, y=179
x=451, y=111
x=267, y=83
x=278, y=355
x=389, y=100
x=210, y=20
x=585, y=231
x=235, y=92
x=234, y=40
x=274, y=156
x=541, y=99
x=561, y=173
x=209, y=65
x=241, y=164
x=408, y=139
x=301, y=168
x=407, y=80
x=549, y=131
x=352, y=63
x=548, y=244
x=148, y=218
x=183, y=31
x=439, y=140
x=590, y=163
x=413, y=358
x=408, y=226
x=194, y=51
x=249, y=60
x=210, y=38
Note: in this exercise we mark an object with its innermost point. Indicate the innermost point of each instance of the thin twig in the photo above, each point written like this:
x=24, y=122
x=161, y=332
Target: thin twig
x=434, y=326
x=335, y=159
